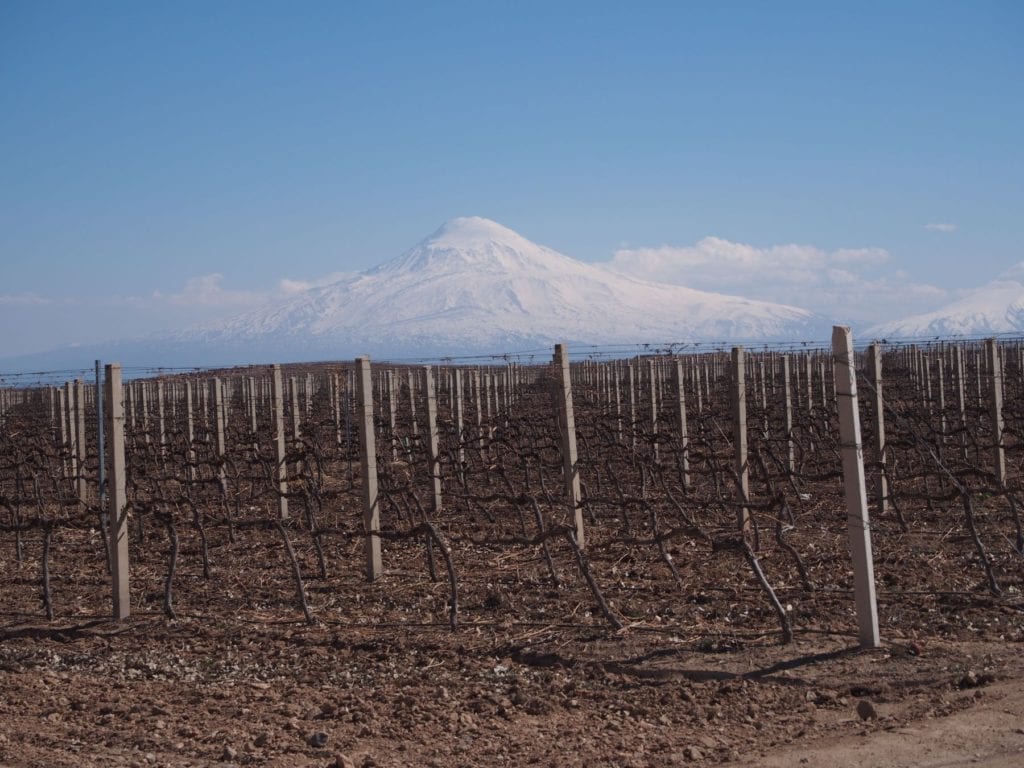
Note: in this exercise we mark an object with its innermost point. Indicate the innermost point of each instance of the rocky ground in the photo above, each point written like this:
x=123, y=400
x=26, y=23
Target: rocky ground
x=380, y=680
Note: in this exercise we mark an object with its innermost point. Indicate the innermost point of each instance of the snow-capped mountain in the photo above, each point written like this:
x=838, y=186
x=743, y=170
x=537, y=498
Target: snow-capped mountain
x=472, y=288
x=997, y=307
x=476, y=287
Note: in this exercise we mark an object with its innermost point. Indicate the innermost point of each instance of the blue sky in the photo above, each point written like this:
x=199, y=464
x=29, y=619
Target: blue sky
x=163, y=163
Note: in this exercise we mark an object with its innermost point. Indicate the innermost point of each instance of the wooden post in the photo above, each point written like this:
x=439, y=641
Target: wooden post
x=996, y=396
x=875, y=374
x=858, y=523
x=281, y=471
x=739, y=431
x=567, y=426
x=684, y=437
x=117, y=501
x=433, y=440
x=368, y=441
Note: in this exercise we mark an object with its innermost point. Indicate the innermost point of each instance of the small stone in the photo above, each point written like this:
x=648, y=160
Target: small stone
x=343, y=761
x=229, y=753
x=866, y=710
x=317, y=740
x=261, y=740
x=693, y=753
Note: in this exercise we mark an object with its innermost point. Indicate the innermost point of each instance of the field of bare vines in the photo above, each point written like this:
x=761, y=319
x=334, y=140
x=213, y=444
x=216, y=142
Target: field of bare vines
x=688, y=608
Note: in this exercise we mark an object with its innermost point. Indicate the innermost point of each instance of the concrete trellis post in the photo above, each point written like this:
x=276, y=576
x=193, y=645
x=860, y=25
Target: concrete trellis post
x=764, y=398
x=618, y=404
x=190, y=433
x=253, y=427
x=459, y=416
x=942, y=399
x=62, y=434
x=739, y=423
x=143, y=390
x=653, y=386
x=69, y=397
x=368, y=441
x=996, y=403
x=684, y=437
x=433, y=439
x=875, y=374
x=161, y=418
x=788, y=415
x=958, y=371
x=478, y=406
x=117, y=501
x=567, y=426
x=632, y=403
x=281, y=468
x=391, y=381
x=412, y=404
x=83, y=487
x=857, y=519
x=217, y=395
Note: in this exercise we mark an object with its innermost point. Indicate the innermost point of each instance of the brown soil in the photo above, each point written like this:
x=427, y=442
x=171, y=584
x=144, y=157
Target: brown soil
x=530, y=677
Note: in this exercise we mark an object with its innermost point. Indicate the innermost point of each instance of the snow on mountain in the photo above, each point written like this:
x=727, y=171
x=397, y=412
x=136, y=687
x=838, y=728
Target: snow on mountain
x=476, y=287
x=997, y=307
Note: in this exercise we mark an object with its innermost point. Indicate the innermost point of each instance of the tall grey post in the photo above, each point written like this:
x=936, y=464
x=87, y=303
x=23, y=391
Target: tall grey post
x=217, y=395
x=788, y=416
x=567, y=426
x=875, y=373
x=857, y=520
x=684, y=437
x=368, y=441
x=117, y=500
x=281, y=471
x=996, y=404
x=83, y=485
x=739, y=423
x=433, y=439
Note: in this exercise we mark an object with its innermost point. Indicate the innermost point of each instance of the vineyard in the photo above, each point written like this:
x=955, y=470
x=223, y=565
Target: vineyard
x=460, y=564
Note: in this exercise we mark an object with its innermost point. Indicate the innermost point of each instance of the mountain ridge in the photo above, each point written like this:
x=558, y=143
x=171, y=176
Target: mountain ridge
x=994, y=308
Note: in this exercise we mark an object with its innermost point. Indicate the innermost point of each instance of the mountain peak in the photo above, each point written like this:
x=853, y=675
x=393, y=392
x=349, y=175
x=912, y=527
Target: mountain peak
x=471, y=232
x=477, y=244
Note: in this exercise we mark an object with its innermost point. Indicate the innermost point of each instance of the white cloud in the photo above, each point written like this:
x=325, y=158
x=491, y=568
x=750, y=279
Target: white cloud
x=289, y=286
x=22, y=300
x=208, y=291
x=941, y=227
x=844, y=284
